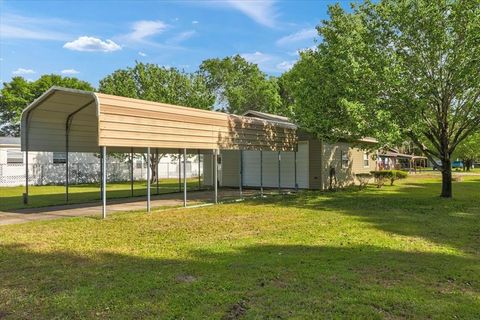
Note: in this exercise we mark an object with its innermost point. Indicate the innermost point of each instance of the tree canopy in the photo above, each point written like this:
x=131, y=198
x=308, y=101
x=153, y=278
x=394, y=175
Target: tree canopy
x=18, y=93
x=156, y=83
x=393, y=70
x=240, y=85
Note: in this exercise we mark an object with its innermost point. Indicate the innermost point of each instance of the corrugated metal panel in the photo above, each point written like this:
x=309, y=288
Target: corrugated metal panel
x=121, y=123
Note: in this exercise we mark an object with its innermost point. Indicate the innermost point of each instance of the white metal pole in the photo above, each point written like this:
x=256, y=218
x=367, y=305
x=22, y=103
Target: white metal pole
x=148, y=179
x=215, y=173
x=104, y=182
x=184, y=177
x=295, y=165
x=261, y=173
x=279, y=173
x=240, y=184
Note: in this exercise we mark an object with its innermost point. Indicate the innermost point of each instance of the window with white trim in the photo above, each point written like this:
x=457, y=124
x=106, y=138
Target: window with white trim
x=59, y=157
x=366, y=160
x=14, y=156
x=344, y=158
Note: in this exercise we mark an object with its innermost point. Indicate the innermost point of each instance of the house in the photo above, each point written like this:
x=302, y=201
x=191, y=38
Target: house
x=311, y=166
x=391, y=158
x=49, y=167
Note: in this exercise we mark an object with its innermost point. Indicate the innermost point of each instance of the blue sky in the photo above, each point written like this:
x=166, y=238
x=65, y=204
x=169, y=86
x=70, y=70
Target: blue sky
x=90, y=39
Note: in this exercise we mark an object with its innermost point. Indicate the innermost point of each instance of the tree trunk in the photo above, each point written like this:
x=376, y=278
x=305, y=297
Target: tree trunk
x=446, y=178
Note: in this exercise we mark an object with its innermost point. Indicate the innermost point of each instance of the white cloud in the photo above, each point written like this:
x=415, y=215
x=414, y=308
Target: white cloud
x=91, y=44
x=262, y=12
x=257, y=57
x=145, y=28
x=22, y=27
x=23, y=71
x=285, y=65
x=194, y=22
x=181, y=37
x=70, y=71
x=268, y=62
x=143, y=54
x=305, y=34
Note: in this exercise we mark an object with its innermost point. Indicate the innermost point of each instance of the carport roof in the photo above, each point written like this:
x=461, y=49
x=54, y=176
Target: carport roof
x=81, y=121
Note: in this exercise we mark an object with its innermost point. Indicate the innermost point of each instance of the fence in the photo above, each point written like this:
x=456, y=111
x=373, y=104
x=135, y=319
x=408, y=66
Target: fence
x=80, y=173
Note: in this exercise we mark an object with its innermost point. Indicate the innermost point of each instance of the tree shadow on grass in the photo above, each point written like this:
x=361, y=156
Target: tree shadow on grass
x=271, y=281
x=412, y=209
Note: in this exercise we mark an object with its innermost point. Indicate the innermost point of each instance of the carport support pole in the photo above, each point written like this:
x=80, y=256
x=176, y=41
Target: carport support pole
x=215, y=173
x=199, y=177
x=25, y=198
x=184, y=177
x=295, y=169
x=261, y=173
x=240, y=184
x=279, y=172
x=158, y=171
x=67, y=173
x=179, y=171
x=148, y=179
x=131, y=171
x=104, y=182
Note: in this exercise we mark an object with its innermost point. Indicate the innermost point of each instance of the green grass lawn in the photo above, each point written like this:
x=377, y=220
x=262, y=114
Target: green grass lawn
x=40, y=196
x=392, y=253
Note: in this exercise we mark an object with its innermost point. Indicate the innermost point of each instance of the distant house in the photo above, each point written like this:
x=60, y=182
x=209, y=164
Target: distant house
x=315, y=161
x=391, y=158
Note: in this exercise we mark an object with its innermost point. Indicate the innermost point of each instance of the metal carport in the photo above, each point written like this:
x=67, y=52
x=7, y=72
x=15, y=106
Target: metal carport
x=68, y=120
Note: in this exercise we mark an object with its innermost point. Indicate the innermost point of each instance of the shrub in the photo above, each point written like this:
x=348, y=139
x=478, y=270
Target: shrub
x=363, y=179
x=384, y=175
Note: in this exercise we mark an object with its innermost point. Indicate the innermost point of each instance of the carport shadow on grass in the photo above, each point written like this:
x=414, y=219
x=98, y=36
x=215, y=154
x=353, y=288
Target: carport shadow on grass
x=271, y=281
x=414, y=209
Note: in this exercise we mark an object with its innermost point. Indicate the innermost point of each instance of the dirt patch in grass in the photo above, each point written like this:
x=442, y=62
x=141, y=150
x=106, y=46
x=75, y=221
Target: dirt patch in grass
x=236, y=311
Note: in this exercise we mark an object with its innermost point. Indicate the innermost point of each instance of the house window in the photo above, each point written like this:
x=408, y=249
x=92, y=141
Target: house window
x=59, y=157
x=366, y=159
x=344, y=155
x=14, y=156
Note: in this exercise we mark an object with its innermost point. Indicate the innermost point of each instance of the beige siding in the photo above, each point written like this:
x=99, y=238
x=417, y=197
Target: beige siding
x=345, y=176
x=120, y=123
x=130, y=122
x=315, y=164
x=230, y=171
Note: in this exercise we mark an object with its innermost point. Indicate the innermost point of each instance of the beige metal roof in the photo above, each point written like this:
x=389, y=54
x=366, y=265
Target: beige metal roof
x=94, y=119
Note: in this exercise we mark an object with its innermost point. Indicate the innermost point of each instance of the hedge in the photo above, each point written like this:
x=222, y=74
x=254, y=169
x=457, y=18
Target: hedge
x=392, y=175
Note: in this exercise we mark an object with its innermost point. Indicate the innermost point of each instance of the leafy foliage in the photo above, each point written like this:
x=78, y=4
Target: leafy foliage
x=17, y=94
x=469, y=150
x=394, y=70
x=392, y=175
x=240, y=85
x=363, y=179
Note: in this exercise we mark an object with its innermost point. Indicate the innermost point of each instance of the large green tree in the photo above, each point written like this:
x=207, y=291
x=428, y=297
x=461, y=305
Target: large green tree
x=156, y=83
x=240, y=85
x=18, y=93
x=395, y=69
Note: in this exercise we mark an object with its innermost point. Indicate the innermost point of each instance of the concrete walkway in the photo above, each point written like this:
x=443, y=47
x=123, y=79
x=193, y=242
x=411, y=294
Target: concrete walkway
x=113, y=205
